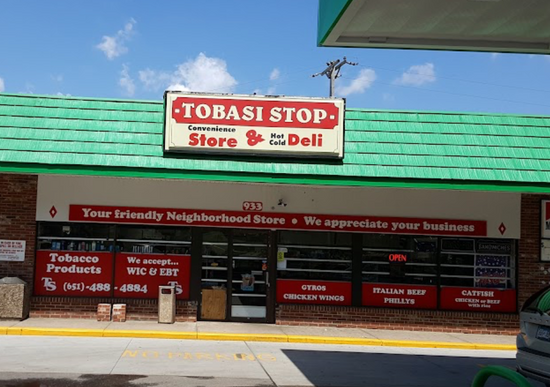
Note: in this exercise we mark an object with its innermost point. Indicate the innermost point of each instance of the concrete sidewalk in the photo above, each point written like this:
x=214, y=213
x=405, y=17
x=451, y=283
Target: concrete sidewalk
x=203, y=330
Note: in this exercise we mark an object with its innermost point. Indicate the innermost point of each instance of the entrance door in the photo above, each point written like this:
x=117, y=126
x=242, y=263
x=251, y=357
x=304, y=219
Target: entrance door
x=235, y=276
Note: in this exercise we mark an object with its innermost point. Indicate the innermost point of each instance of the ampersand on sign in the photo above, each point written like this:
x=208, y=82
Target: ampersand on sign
x=254, y=138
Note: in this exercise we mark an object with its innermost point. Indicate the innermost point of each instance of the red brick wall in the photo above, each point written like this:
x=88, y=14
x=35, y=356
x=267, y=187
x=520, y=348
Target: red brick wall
x=137, y=310
x=397, y=319
x=531, y=272
x=18, y=221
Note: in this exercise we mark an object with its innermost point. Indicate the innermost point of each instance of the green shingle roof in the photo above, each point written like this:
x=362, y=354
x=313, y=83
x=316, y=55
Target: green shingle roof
x=50, y=134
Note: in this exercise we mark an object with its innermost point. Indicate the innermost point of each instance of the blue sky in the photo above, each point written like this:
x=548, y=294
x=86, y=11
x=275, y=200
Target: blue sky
x=126, y=49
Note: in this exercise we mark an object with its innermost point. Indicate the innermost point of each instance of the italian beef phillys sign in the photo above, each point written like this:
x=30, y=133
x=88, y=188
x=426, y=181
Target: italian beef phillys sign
x=254, y=125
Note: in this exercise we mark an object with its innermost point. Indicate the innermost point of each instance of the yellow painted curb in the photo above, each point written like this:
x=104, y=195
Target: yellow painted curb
x=28, y=331
x=333, y=340
x=450, y=345
x=13, y=331
x=262, y=337
x=503, y=347
x=274, y=338
x=426, y=344
x=150, y=334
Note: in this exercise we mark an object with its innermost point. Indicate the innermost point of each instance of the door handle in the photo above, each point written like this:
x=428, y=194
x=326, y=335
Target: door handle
x=267, y=279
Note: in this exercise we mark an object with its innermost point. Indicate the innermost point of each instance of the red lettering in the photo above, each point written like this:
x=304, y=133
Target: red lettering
x=196, y=139
x=316, y=140
x=193, y=139
x=397, y=258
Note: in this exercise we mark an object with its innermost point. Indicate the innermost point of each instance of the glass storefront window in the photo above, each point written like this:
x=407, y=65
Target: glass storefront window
x=314, y=256
x=399, y=259
x=153, y=240
x=481, y=263
x=75, y=236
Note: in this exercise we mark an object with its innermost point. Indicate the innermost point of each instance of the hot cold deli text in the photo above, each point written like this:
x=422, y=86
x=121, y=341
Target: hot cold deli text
x=253, y=138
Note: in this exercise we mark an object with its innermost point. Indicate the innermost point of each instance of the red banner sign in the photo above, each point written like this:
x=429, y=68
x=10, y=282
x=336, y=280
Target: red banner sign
x=272, y=220
x=313, y=292
x=258, y=112
x=400, y=296
x=478, y=299
x=73, y=273
x=140, y=275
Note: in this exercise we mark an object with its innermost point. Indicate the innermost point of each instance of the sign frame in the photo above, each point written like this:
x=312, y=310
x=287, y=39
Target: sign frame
x=260, y=130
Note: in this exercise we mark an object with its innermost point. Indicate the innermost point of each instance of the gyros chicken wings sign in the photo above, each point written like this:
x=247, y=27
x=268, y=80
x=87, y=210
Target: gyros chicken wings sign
x=254, y=125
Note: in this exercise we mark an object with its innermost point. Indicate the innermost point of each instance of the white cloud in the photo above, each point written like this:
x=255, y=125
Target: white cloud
x=200, y=74
x=494, y=55
x=113, y=46
x=358, y=85
x=57, y=78
x=2, y=88
x=178, y=87
x=126, y=82
x=417, y=75
x=275, y=74
x=154, y=80
x=62, y=95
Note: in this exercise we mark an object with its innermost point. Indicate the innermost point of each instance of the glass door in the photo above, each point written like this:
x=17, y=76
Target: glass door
x=215, y=265
x=249, y=275
x=235, y=282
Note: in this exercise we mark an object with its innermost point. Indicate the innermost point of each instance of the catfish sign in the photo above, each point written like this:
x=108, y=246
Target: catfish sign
x=254, y=125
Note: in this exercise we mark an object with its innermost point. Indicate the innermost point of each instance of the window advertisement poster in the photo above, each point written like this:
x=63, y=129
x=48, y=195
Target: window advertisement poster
x=478, y=299
x=313, y=292
x=247, y=284
x=545, y=219
x=545, y=231
x=491, y=271
x=140, y=275
x=400, y=296
x=13, y=251
x=73, y=273
x=281, y=259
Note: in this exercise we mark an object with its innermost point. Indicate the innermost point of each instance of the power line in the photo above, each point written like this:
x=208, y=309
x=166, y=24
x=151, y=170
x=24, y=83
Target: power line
x=464, y=95
x=468, y=81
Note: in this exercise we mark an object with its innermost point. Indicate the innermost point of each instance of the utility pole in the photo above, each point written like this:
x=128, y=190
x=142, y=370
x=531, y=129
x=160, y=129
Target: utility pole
x=333, y=71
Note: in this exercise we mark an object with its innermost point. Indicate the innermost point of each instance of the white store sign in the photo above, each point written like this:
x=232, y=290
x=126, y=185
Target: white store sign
x=254, y=125
x=12, y=250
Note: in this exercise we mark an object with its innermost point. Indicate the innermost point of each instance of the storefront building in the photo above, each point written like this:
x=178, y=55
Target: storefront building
x=404, y=220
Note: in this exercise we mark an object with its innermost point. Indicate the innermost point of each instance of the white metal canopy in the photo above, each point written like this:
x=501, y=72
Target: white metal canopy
x=521, y=26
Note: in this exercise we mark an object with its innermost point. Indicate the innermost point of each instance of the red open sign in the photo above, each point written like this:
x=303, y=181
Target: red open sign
x=397, y=257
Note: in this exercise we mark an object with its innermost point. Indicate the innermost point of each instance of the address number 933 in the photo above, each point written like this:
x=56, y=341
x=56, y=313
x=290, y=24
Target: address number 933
x=253, y=206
